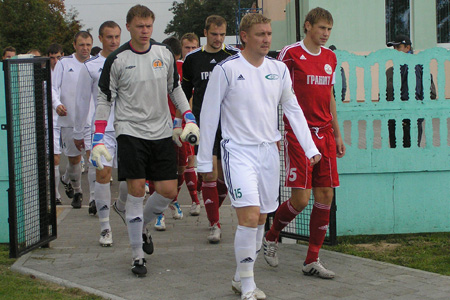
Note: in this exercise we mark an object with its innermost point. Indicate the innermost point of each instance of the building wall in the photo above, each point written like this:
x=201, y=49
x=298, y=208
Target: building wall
x=359, y=25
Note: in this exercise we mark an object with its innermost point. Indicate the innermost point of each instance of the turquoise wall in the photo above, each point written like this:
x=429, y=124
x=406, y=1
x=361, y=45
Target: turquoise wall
x=359, y=25
x=388, y=190
x=4, y=179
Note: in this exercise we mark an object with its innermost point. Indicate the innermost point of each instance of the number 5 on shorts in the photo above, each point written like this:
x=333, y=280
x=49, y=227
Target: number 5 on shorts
x=292, y=174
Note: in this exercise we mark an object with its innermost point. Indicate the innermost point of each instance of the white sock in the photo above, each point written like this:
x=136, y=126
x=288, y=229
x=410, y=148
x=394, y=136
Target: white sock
x=156, y=205
x=123, y=194
x=134, y=219
x=91, y=179
x=259, y=237
x=103, y=203
x=245, y=252
x=65, y=177
x=74, y=172
x=57, y=174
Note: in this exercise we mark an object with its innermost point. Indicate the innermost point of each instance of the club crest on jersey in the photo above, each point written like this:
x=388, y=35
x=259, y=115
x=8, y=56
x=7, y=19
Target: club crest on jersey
x=157, y=64
x=328, y=69
x=271, y=76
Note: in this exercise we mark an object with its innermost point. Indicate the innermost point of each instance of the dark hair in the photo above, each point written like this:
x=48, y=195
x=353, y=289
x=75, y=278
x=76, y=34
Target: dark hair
x=109, y=24
x=174, y=44
x=95, y=50
x=55, y=48
x=9, y=48
x=317, y=14
x=139, y=11
x=83, y=34
x=216, y=20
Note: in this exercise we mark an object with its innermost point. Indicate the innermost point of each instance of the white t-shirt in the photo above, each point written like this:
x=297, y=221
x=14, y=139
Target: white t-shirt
x=86, y=96
x=246, y=100
x=64, y=87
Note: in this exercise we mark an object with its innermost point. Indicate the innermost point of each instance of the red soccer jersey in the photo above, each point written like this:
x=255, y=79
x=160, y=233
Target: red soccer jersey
x=172, y=107
x=312, y=78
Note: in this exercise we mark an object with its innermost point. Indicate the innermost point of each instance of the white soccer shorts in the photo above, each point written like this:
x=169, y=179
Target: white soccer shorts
x=252, y=174
x=68, y=146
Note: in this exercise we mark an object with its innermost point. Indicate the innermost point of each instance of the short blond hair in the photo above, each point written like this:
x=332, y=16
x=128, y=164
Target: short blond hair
x=249, y=20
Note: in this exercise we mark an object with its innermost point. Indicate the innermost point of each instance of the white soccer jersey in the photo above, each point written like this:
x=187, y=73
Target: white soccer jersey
x=64, y=87
x=86, y=97
x=246, y=100
x=55, y=115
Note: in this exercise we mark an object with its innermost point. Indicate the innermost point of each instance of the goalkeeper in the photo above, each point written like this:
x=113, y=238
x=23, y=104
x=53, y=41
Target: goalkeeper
x=137, y=77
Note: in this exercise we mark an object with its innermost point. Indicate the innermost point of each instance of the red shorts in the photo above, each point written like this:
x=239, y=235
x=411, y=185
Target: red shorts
x=299, y=173
x=183, y=153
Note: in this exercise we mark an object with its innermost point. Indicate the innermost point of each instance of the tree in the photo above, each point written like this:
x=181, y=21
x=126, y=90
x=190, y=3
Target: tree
x=190, y=15
x=37, y=24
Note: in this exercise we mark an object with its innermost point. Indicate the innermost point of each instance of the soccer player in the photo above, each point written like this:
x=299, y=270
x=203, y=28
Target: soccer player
x=180, y=147
x=244, y=92
x=9, y=52
x=196, y=69
x=312, y=68
x=190, y=42
x=55, y=52
x=87, y=91
x=64, y=85
x=136, y=78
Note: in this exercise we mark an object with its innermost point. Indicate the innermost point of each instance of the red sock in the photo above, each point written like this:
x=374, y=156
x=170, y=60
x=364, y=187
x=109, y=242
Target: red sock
x=211, y=199
x=180, y=183
x=191, y=183
x=151, y=187
x=199, y=183
x=284, y=215
x=318, y=225
x=222, y=191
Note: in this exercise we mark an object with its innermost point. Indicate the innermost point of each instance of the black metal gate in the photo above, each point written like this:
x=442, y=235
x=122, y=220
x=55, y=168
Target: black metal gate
x=31, y=194
x=299, y=228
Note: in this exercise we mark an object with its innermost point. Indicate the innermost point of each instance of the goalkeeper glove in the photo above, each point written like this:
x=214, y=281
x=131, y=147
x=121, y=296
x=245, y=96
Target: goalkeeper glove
x=98, y=148
x=191, y=132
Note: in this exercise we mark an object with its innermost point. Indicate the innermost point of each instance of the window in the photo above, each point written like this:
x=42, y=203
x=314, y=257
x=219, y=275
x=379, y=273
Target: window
x=398, y=18
x=443, y=21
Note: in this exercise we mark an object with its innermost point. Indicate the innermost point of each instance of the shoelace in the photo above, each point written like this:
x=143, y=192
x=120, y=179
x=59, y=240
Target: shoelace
x=271, y=249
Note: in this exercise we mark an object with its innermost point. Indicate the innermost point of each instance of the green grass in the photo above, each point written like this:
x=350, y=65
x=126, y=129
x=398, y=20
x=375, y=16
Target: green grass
x=14, y=286
x=429, y=251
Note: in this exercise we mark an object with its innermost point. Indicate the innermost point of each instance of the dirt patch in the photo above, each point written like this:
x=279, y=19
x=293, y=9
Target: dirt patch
x=59, y=210
x=379, y=247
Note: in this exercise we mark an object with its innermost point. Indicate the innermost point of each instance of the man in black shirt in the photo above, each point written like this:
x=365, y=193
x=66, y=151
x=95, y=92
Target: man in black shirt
x=197, y=67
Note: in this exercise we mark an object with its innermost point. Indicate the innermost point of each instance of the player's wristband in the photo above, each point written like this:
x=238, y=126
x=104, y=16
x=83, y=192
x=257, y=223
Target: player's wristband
x=100, y=126
x=177, y=123
x=189, y=117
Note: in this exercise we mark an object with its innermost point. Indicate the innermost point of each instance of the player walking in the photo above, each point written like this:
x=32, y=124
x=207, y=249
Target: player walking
x=87, y=91
x=244, y=91
x=137, y=77
x=312, y=68
x=196, y=70
x=64, y=88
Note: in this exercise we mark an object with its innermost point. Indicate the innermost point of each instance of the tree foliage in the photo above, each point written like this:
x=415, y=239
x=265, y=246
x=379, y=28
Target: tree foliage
x=37, y=24
x=190, y=15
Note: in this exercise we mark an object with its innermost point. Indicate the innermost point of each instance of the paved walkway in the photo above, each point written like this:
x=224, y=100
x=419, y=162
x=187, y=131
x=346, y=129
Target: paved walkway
x=185, y=266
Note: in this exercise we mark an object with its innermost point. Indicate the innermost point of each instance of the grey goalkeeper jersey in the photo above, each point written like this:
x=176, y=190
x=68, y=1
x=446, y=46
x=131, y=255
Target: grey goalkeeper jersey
x=139, y=82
